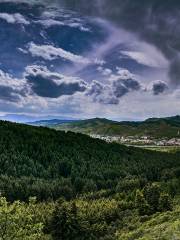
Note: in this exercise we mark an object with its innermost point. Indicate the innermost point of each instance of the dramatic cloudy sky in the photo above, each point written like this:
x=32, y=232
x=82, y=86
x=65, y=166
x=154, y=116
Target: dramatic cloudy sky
x=73, y=59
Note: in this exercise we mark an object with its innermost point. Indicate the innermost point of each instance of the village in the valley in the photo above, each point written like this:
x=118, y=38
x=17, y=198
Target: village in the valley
x=139, y=141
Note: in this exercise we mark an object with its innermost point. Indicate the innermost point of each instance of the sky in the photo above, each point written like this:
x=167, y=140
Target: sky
x=71, y=59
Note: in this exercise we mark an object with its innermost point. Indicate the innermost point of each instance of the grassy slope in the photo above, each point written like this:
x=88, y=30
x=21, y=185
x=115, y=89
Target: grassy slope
x=163, y=226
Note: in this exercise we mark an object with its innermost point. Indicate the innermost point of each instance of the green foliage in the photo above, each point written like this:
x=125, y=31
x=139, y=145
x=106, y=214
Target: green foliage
x=64, y=222
x=128, y=184
x=90, y=186
x=161, y=226
x=165, y=203
x=152, y=200
x=84, y=220
x=141, y=203
x=152, y=195
x=17, y=221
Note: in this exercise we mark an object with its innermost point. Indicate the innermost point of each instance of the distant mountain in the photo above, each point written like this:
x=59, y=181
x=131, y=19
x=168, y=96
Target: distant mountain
x=18, y=118
x=30, y=119
x=174, y=121
x=155, y=127
x=48, y=123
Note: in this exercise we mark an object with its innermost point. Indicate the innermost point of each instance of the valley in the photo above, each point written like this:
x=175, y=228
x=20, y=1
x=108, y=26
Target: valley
x=152, y=133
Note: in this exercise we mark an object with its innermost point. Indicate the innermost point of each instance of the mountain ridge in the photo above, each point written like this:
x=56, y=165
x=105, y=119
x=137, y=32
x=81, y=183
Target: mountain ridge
x=153, y=127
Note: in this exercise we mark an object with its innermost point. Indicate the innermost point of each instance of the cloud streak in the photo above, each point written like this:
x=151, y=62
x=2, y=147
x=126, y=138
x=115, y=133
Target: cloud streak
x=49, y=52
x=14, y=18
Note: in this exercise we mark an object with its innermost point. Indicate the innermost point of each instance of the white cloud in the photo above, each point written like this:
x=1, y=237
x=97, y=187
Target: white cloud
x=11, y=89
x=50, y=52
x=14, y=18
x=122, y=74
x=62, y=18
x=77, y=25
x=143, y=58
x=99, y=61
x=8, y=80
x=50, y=22
x=104, y=71
x=43, y=71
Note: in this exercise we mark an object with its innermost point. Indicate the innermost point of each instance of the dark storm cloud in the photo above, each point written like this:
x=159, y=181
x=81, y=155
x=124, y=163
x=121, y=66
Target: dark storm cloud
x=159, y=87
x=9, y=94
x=122, y=87
x=131, y=84
x=45, y=86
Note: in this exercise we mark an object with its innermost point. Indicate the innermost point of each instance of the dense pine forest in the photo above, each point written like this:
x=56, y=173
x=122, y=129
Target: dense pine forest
x=56, y=185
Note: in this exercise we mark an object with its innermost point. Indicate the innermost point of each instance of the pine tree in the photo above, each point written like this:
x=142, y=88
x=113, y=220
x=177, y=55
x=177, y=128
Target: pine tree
x=141, y=203
x=152, y=195
x=165, y=202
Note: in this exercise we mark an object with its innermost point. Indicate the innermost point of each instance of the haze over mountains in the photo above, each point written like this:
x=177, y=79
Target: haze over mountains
x=51, y=122
x=23, y=118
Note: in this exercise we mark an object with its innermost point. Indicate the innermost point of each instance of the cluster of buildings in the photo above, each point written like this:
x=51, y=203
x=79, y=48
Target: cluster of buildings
x=169, y=142
x=134, y=140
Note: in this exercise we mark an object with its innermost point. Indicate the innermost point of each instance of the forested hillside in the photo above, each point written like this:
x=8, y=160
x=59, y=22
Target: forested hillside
x=51, y=164
x=86, y=189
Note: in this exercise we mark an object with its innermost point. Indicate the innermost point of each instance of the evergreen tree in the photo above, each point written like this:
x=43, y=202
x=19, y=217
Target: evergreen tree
x=65, y=225
x=165, y=203
x=141, y=203
x=152, y=195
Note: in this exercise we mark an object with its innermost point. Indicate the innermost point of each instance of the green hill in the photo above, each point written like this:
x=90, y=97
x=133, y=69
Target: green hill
x=155, y=127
